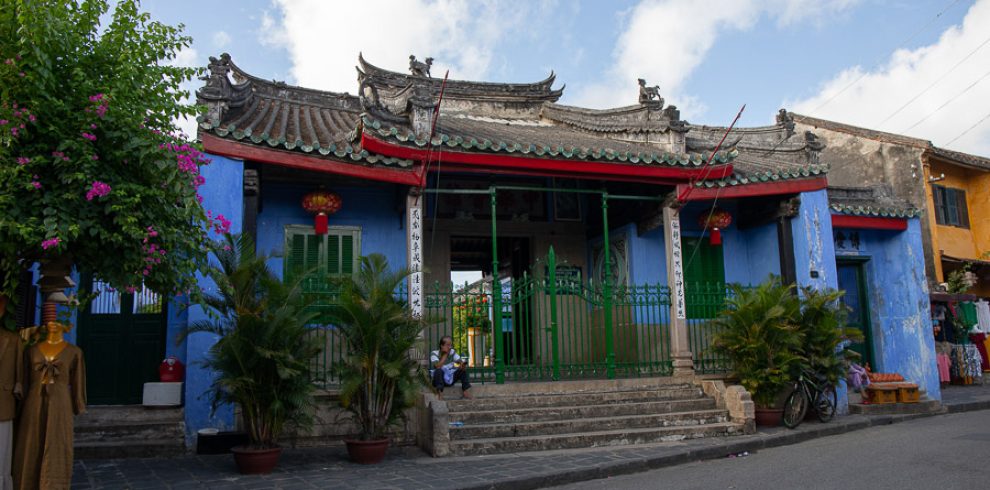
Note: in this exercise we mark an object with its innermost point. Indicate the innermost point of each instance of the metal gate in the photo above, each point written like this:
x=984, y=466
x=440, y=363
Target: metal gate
x=546, y=326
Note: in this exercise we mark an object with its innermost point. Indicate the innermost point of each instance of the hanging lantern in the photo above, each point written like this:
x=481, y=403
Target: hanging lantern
x=323, y=203
x=716, y=220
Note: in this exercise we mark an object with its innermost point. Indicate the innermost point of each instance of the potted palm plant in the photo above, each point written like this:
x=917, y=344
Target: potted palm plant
x=822, y=324
x=265, y=348
x=378, y=378
x=759, y=335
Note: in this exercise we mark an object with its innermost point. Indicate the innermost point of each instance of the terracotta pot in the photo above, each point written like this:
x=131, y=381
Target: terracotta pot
x=255, y=461
x=367, y=452
x=769, y=417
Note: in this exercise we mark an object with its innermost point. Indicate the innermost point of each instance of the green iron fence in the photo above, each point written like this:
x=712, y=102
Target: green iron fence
x=551, y=328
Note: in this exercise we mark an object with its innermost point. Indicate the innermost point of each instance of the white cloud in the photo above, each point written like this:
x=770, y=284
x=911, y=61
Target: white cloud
x=659, y=45
x=881, y=92
x=324, y=37
x=188, y=57
x=221, y=39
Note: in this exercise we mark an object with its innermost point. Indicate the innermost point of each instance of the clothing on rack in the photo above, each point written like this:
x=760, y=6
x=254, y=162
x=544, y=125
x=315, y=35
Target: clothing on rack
x=979, y=340
x=944, y=366
x=983, y=316
x=967, y=315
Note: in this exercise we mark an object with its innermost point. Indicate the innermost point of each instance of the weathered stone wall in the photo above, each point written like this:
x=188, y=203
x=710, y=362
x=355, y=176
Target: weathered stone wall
x=857, y=161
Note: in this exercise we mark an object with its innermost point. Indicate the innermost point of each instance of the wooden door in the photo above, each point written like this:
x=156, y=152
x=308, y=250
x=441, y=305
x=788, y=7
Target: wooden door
x=123, y=338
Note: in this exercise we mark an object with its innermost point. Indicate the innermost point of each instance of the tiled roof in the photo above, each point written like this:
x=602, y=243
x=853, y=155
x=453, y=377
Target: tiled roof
x=962, y=158
x=765, y=153
x=277, y=115
x=529, y=137
x=869, y=201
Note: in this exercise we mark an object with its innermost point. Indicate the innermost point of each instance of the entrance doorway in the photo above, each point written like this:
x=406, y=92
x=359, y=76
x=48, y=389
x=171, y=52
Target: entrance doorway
x=852, y=280
x=123, y=336
x=473, y=253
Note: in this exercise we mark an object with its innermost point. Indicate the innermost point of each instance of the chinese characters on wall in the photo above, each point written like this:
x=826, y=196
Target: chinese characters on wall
x=414, y=239
x=675, y=249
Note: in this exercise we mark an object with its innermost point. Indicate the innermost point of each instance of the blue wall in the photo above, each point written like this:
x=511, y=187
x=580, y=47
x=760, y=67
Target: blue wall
x=379, y=211
x=900, y=315
x=222, y=194
x=813, y=246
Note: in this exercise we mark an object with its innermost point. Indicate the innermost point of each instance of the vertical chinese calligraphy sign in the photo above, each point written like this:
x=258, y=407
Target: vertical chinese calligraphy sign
x=414, y=241
x=677, y=267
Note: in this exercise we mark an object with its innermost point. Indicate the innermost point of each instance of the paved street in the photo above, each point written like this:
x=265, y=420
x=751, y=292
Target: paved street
x=944, y=447
x=947, y=452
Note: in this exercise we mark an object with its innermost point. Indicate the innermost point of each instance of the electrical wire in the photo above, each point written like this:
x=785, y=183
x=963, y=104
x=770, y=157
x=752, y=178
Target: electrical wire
x=960, y=135
x=930, y=114
x=947, y=73
x=880, y=60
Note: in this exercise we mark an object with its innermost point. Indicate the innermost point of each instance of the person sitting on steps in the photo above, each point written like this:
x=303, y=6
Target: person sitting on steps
x=447, y=368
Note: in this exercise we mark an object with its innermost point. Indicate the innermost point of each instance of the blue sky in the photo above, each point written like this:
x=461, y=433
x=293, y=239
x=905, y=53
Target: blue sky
x=883, y=64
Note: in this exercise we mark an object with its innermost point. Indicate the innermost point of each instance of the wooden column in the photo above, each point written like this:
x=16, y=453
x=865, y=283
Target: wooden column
x=681, y=349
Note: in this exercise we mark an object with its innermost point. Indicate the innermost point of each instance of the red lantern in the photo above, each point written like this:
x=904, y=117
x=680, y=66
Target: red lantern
x=323, y=203
x=717, y=219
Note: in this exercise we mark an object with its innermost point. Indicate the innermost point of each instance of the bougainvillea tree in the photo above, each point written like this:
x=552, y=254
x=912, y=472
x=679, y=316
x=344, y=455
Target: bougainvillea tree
x=91, y=166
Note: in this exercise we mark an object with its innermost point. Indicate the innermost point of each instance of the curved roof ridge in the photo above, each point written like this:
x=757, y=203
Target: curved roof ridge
x=542, y=88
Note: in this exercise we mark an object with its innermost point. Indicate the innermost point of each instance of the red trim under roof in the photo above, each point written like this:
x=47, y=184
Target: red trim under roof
x=228, y=148
x=753, y=190
x=868, y=222
x=548, y=166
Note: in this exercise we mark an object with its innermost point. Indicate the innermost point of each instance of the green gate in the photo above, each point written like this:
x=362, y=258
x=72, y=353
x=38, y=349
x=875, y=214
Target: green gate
x=545, y=326
x=123, y=336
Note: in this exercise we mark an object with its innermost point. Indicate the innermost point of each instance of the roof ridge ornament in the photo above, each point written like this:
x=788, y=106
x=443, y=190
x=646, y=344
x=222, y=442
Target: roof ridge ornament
x=650, y=96
x=420, y=68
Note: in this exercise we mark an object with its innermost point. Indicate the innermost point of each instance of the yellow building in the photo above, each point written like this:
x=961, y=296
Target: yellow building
x=958, y=203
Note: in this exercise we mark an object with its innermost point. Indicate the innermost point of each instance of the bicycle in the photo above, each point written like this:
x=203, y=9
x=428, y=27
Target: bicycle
x=820, y=394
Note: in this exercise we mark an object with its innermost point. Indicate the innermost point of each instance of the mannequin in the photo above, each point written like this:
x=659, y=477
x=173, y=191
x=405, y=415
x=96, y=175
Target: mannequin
x=11, y=371
x=54, y=391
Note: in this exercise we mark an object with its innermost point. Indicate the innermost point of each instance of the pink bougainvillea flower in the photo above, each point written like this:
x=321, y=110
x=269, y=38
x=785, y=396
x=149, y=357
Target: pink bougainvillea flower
x=51, y=242
x=98, y=189
x=89, y=136
x=32, y=118
x=3, y=122
x=9, y=61
x=95, y=157
x=92, y=126
x=23, y=160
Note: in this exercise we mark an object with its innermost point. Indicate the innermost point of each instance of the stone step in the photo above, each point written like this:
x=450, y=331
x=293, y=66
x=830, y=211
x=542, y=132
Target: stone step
x=129, y=431
x=587, y=425
x=570, y=400
x=518, y=415
x=115, y=414
x=148, y=448
x=621, y=437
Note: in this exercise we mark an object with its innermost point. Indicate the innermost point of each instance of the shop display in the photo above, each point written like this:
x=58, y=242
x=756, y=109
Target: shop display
x=54, y=391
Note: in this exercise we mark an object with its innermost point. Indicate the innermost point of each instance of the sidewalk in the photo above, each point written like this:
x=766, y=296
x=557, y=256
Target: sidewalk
x=410, y=468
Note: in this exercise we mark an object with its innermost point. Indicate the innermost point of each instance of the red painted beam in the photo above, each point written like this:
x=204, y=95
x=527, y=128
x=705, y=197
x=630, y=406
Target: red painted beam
x=868, y=222
x=573, y=168
x=475, y=169
x=229, y=148
x=754, y=190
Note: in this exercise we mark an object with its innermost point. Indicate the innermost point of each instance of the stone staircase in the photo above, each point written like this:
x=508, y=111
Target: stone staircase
x=129, y=431
x=582, y=414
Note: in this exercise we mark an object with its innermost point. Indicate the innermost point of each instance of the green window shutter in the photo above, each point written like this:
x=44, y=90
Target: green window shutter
x=313, y=242
x=347, y=254
x=295, y=255
x=961, y=208
x=938, y=196
x=333, y=254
